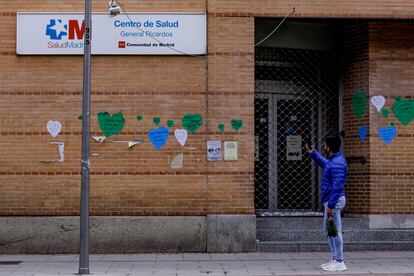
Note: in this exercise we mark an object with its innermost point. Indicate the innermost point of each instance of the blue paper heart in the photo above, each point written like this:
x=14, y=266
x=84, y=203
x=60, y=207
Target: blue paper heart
x=158, y=137
x=363, y=132
x=387, y=134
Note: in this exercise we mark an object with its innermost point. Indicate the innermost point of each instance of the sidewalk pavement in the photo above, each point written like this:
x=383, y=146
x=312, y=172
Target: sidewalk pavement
x=211, y=264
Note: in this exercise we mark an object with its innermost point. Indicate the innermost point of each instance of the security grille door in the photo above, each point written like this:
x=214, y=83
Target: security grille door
x=295, y=184
x=296, y=103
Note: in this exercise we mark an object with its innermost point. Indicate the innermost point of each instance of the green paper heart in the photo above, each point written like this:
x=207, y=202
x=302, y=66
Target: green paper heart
x=156, y=121
x=170, y=123
x=359, y=103
x=385, y=112
x=111, y=125
x=236, y=124
x=403, y=110
x=221, y=127
x=139, y=118
x=80, y=117
x=192, y=122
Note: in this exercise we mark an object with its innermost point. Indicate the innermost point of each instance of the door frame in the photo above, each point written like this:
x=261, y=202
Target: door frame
x=278, y=93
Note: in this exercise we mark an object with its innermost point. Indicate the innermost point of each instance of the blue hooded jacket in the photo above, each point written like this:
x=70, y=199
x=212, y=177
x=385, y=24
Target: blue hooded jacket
x=335, y=170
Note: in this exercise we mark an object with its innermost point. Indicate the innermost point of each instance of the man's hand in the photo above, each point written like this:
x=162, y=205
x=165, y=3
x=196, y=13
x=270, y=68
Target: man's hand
x=329, y=211
x=309, y=149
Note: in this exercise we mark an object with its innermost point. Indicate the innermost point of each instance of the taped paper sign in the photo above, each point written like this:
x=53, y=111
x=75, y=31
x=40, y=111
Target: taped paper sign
x=181, y=136
x=213, y=150
x=294, y=147
x=231, y=150
x=378, y=102
x=177, y=162
x=54, y=128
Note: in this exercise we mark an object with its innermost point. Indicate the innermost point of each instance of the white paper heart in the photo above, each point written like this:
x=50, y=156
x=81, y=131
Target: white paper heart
x=181, y=136
x=54, y=128
x=378, y=102
x=177, y=162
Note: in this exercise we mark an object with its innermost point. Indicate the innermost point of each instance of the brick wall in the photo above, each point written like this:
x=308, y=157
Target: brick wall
x=356, y=76
x=391, y=56
x=139, y=181
x=378, y=58
x=219, y=86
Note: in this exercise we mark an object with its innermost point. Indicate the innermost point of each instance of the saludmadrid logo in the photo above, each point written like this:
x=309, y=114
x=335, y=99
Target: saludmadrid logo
x=65, y=34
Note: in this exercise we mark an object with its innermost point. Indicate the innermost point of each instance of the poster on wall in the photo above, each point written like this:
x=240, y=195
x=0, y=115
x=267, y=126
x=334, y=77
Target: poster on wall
x=213, y=150
x=294, y=147
x=231, y=150
x=140, y=34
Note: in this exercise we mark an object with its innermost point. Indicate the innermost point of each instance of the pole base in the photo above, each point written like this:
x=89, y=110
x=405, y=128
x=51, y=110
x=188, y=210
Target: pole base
x=83, y=271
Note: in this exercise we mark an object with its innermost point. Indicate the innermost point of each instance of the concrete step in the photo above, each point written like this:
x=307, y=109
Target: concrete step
x=310, y=246
x=348, y=235
x=310, y=223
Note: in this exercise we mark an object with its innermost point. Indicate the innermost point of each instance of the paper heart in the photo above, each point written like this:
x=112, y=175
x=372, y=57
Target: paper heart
x=236, y=124
x=359, y=103
x=221, y=127
x=111, y=125
x=403, y=110
x=156, y=121
x=158, y=137
x=387, y=134
x=54, y=127
x=378, y=102
x=170, y=123
x=181, y=136
x=177, y=162
x=363, y=132
x=192, y=122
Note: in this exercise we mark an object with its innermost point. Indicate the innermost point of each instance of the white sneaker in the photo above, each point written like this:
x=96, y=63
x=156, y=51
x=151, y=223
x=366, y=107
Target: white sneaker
x=335, y=266
x=328, y=263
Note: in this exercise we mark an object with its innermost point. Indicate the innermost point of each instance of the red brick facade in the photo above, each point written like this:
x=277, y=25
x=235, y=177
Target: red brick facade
x=219, y=86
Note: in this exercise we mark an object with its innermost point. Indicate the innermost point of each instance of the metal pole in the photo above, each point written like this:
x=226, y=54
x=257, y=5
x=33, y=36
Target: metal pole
x=84, y=212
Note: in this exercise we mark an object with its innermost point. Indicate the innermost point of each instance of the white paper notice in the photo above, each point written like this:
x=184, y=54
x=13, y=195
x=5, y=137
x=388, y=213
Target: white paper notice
x=181, y=136
x=61, y=147
x=54, y=128
x=177, y=162
x=213, y=150
x=99, y=139
x=294, y=147
x=231, y=150
x=378, y=102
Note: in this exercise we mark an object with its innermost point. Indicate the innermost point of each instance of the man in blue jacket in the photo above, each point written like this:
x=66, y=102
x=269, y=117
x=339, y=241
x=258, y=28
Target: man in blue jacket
x=335, y=170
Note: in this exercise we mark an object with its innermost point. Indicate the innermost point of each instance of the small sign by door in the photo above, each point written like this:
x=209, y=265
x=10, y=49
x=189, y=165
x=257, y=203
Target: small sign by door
x=294, y=147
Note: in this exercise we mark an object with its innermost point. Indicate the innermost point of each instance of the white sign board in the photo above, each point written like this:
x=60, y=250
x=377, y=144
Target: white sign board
x=294, y=147
x=213, y=150
x=142, y=34
x=231, y=150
